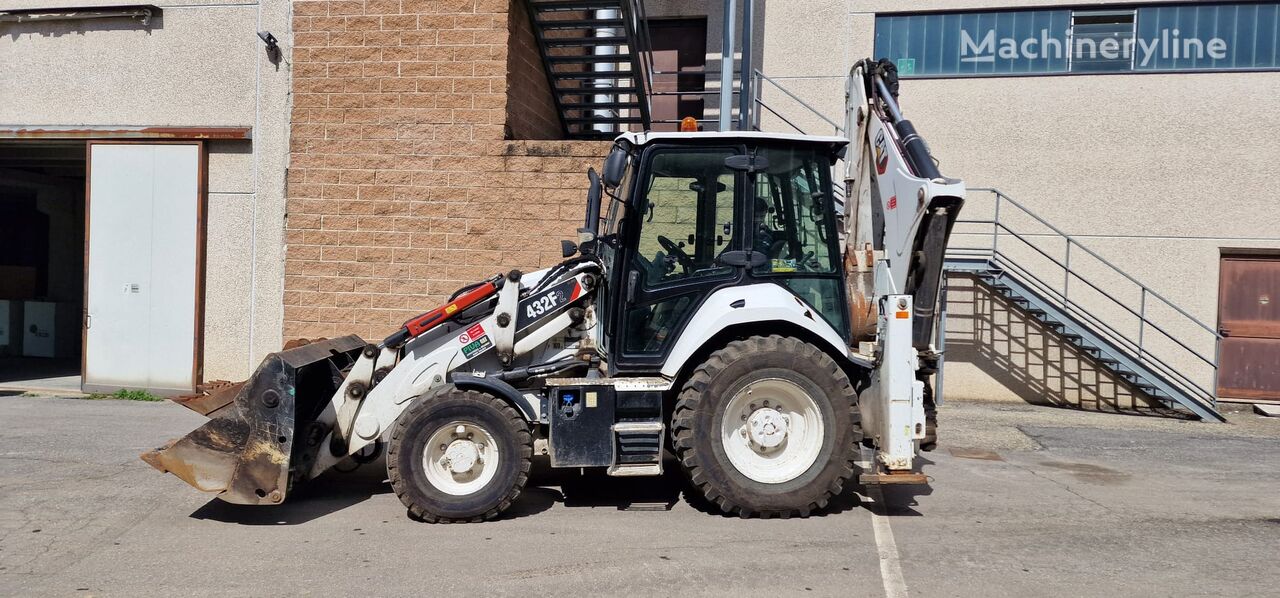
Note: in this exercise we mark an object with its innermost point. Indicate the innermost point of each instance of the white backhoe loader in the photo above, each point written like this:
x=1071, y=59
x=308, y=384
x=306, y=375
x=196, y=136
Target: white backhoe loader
x=720, y=306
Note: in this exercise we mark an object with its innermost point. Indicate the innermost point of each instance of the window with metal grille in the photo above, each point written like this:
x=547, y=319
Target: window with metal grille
x=1102, y=40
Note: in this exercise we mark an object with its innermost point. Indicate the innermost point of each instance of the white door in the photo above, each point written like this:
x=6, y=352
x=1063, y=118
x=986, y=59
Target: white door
x=144, y=214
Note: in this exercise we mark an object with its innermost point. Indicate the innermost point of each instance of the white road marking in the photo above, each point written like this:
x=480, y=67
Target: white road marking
x=890, y=566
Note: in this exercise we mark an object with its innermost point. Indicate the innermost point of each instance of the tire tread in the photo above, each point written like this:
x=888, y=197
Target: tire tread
x=689, y=403
x=512, y=418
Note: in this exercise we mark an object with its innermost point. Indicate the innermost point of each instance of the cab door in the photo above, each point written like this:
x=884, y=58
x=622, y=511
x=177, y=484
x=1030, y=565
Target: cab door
x=684, y=218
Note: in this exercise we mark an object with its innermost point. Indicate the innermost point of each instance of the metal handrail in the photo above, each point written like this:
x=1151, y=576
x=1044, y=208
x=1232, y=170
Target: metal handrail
x=640, y=50
x=758, y=76
x=1140, y=346
x=1095, y=287
x=1092, y=253
x=641, y=25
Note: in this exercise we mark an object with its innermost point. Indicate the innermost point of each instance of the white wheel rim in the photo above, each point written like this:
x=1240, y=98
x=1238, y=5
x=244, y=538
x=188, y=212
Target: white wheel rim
x=772, y=431
x=460, y=458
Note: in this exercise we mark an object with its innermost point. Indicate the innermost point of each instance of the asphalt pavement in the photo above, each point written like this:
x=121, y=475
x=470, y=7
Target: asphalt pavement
x=1024, y=501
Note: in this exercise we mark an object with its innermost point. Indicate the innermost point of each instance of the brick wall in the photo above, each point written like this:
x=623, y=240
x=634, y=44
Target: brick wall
x=401, y=187
x=531, y=110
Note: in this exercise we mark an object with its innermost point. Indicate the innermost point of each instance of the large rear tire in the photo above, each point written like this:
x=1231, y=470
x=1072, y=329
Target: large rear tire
x=768, y=426
x=459, y=456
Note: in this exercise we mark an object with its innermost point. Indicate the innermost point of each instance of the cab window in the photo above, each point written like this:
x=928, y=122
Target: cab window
x=793, y=225
x=792, y=219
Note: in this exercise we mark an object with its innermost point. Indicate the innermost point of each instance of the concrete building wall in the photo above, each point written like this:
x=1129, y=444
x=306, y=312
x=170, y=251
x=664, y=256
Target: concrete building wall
x=402, y=187
x=1155, y=172
x=199, y=64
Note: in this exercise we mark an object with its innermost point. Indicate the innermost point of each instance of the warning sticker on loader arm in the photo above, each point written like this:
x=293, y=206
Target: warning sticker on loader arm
x=474, y=341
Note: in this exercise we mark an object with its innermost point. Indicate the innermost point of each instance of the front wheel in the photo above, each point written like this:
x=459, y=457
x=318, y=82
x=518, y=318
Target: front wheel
x=459, y=456
x=768, y=426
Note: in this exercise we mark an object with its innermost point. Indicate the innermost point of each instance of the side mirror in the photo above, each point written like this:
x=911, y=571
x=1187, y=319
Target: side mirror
x=615, y=166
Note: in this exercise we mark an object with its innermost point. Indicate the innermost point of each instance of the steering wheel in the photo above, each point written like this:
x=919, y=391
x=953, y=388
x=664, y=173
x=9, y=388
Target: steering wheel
x=686, y=262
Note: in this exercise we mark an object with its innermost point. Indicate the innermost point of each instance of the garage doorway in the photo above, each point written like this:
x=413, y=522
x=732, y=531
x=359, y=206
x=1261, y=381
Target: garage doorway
x=42, y=186
x=1249, y=322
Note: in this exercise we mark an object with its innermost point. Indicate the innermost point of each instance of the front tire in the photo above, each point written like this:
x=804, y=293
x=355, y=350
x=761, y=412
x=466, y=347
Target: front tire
x=768, y=426
x=459, y=456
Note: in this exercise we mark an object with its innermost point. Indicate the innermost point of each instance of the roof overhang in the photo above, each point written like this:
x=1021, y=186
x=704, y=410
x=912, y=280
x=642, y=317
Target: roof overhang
x=122, y=132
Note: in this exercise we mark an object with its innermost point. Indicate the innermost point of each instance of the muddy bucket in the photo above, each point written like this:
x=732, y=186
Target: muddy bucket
x=262, y=433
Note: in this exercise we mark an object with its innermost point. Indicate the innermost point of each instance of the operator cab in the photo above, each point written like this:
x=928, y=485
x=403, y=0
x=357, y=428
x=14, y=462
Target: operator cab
x=688, y=214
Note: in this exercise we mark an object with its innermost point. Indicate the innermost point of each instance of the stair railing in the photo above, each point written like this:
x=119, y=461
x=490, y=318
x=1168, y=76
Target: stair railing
x=1002, y=256
x=758, y=79
x=640, y=49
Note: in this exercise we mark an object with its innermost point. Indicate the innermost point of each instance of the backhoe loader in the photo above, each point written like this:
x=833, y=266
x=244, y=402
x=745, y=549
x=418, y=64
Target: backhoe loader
x=720, y=306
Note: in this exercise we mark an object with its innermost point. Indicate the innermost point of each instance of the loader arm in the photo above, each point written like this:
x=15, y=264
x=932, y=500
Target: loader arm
x=308, y=408
x=898, y=219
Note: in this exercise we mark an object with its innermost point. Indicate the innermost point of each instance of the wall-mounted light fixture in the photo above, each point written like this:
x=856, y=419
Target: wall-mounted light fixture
x=273, y=46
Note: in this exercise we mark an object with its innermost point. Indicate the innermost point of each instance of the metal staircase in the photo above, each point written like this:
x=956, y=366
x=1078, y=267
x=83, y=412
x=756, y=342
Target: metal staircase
x=597, y=63
x=1157, y=348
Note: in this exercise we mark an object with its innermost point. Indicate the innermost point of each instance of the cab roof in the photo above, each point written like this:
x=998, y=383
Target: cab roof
x=638, y=139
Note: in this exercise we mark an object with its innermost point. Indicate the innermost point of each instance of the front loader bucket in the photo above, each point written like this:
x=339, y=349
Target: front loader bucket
x=264, y=431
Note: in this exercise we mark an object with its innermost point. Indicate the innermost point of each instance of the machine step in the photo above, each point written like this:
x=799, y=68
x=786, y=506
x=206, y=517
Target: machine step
x=637, y=448
x=650, y=469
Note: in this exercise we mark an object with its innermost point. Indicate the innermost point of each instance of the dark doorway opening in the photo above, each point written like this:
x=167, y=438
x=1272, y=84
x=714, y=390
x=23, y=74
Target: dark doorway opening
x=42, y=186
x=680, y=71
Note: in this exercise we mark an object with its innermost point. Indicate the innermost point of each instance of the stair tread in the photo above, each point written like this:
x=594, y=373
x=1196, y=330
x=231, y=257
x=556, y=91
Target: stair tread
x=579, y=24
x=559, y=5
x=591, y=91
x=593, y=75
x=590, y=58
x=584, y=41
x=601, y=106
x=604, y=119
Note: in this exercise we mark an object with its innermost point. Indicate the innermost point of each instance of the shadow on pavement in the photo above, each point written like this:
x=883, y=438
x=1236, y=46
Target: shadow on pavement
x=533, y=500
x=335, y=491
x=326, y=494
x=898, y=499
x=595, y=489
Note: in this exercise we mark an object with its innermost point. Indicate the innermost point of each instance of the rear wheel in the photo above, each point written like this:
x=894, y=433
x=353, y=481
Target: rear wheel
x=459, y=456
x=768, y=426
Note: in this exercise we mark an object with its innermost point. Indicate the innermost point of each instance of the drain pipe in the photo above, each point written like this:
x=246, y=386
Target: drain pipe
x=605, y=67
x=744, y=92
x=726, y=68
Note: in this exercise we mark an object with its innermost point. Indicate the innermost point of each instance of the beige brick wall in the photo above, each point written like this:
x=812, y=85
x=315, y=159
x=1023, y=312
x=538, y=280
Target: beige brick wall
x=531, y=110
x=401, y=187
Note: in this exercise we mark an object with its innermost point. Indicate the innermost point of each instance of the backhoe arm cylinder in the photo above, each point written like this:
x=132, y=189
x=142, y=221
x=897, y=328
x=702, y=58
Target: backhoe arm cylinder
x=913, y=145
x=415, y=327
